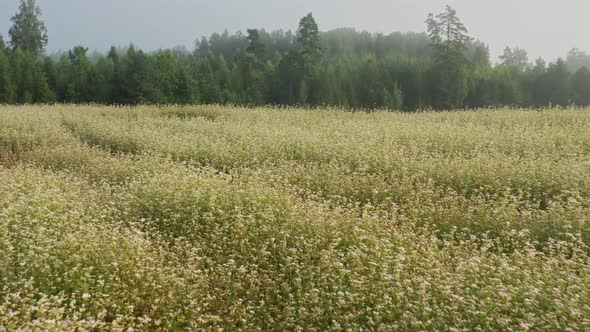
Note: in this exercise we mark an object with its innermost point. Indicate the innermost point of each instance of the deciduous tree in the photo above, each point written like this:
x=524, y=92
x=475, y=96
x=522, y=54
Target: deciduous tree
x=28, y=32
x=515, y=58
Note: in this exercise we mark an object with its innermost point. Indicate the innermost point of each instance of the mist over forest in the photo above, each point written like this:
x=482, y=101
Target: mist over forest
x=443, y=68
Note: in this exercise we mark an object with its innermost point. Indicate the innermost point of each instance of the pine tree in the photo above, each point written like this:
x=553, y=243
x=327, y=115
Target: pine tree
x=308, y=42
x=447, y=34
x=309, y=38
x=448, y=75
x=255, y=46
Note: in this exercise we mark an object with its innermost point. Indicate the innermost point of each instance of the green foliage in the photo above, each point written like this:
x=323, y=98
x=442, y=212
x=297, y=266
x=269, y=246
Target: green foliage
x=495, y=87
x=2, y=44
x=447, y=34
x=581, y=87
x=288, y=79
x=308, y=38
x=447, y=83
x=77, y=77
x=553, y=86
x=29, y=78
x=7, y=91
x=478, y=54
x=28, y=32
x=309, y=48
x=394, y=99
x=249, y=79
x=369, y=86
x=203, y=47
x=517, y=58
x=105, y=76
x=255, y=46
x=448, y=76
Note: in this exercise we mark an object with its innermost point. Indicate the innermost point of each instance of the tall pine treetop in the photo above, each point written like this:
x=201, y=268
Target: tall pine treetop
x=309, y=37
x=447, y=32
x=255, y=46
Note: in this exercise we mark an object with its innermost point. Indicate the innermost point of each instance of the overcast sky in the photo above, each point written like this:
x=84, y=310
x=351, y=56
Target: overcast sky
x=544, y=28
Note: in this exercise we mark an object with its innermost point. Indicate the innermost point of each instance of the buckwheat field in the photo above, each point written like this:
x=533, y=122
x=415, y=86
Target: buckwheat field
x=208, y=218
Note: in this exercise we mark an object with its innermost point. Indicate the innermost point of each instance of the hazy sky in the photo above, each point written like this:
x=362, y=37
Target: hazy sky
x=545, y=28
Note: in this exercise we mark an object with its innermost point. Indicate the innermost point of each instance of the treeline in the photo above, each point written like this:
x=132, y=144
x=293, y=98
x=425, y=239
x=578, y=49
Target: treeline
x=441, y=69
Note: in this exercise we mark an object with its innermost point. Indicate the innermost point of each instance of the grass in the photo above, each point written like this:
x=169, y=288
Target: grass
x=215, y=217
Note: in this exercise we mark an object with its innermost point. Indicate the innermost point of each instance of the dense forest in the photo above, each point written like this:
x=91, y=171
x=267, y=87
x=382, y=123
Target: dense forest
x=444, y=68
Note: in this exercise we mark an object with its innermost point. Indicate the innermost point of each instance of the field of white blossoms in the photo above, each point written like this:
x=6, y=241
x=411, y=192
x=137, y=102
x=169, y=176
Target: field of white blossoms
x=283, y=219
